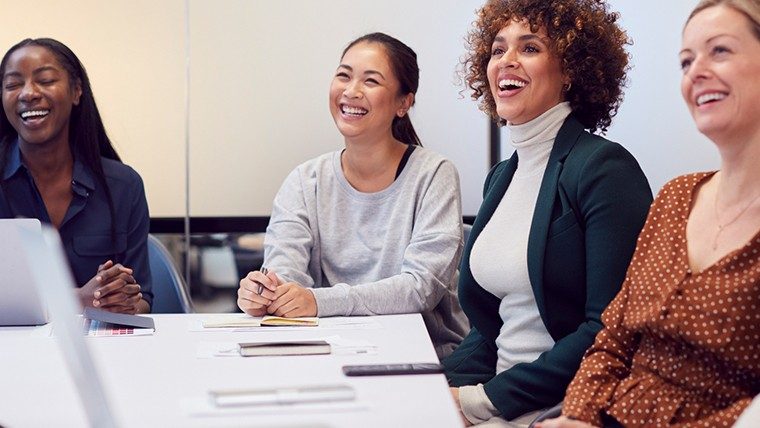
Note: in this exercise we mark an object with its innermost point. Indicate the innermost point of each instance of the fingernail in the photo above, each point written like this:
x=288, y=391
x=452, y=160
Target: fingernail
x=96, y=303
x=97, y=294
x=98, y=278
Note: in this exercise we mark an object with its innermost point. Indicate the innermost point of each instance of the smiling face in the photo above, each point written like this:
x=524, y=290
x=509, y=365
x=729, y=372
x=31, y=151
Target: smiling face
x=364, y=94
x=524, y=75
x=720, y=59
x=38, y=95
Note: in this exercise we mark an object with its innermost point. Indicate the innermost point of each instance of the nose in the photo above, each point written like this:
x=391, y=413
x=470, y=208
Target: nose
x=509, y=59
x=29, y=92
x=698, y=69
x=353, y=90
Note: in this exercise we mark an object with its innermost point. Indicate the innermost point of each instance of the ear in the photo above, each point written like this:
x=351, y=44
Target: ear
x=406, y=103
x=76, y=91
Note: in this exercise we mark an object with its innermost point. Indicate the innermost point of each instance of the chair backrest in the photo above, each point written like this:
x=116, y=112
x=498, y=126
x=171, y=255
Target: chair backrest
x=169, y=291
x=467, y=230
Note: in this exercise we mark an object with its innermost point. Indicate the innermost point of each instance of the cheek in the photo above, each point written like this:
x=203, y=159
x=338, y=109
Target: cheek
x=685, y=89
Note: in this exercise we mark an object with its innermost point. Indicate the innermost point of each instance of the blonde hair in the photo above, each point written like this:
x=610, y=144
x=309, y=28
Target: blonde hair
x=748, y=8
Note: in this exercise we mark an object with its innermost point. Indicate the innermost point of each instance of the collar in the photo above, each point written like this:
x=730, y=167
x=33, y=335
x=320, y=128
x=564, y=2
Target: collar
x=83, y=179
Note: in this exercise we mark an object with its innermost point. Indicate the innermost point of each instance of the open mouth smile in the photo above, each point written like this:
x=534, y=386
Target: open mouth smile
x=710, y=97
x=352, y=111
x=29, y=115
x=511, y=84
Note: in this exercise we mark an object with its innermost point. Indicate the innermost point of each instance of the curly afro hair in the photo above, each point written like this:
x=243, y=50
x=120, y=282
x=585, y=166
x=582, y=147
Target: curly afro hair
x=584, y=34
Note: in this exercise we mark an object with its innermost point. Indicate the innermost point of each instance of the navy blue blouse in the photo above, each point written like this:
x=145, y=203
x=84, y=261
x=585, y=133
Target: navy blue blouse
x=86, y=227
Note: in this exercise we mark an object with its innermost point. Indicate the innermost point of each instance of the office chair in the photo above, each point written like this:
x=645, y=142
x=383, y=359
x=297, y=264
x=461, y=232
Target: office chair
x=169, y=291
x=467, y=230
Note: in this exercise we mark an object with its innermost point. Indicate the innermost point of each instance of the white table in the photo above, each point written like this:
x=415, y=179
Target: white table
x=158, y=380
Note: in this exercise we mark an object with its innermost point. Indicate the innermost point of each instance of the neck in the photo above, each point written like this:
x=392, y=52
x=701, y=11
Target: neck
x=740, y=169
x=47, y=161
x=369, y=160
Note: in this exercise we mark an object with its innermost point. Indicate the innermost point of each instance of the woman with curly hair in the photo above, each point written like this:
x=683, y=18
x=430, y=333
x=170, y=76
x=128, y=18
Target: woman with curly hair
x=555, y=233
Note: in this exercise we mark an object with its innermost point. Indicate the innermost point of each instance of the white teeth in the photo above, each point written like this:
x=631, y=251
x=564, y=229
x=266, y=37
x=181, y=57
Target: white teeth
x=504, y=84
x=34, y=113
x=358, y=111
x=712, y=96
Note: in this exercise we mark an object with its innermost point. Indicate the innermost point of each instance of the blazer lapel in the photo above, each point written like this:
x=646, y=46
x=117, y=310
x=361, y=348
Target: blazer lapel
x=566, y=138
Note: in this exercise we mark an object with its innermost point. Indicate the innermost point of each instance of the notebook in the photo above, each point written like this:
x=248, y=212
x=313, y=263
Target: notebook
x=301, y=347
x=20, y=303
x=50, y=262
x=267, y=321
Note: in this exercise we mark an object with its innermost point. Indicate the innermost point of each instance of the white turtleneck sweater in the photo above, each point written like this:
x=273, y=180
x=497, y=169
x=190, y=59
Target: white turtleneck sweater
x=499, y=258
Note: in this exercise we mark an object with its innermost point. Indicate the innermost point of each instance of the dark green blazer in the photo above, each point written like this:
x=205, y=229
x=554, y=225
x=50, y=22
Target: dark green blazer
x=591, y=206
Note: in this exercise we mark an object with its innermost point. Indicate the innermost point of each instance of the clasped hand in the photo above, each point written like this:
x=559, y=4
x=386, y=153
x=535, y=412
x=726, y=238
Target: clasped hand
x=283, y=299
x=113, y=288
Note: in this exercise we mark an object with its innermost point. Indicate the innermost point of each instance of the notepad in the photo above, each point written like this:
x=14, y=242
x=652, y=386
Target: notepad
x=267, y=321
x=302, y=347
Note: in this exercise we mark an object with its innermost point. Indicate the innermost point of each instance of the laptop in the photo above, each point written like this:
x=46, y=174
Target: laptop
x=20, y=303
x=51, y=272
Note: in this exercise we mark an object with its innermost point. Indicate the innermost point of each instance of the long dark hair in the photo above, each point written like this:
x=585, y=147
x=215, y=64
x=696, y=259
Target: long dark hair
x=88, y=140
x=404, y=64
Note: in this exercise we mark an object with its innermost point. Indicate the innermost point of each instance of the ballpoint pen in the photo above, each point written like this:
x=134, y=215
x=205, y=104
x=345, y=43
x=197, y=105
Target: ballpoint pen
x=261, y=286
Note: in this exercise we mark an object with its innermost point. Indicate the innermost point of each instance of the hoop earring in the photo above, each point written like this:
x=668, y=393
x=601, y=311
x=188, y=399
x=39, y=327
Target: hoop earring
x=566, y=87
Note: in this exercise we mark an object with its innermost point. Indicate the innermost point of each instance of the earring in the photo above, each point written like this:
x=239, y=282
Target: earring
x=401, y=113
x=566, y=87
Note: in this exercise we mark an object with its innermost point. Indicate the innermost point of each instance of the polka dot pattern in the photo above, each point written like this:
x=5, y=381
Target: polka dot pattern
x=678, y=346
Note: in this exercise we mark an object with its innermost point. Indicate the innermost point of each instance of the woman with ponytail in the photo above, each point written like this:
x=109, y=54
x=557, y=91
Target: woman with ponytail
x=59, y=166
x=374, y=228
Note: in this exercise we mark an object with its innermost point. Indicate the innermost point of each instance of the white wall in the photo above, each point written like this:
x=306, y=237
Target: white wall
x=260, y=72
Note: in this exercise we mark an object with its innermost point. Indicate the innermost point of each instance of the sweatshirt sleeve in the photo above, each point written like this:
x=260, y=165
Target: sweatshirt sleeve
x=290, y=237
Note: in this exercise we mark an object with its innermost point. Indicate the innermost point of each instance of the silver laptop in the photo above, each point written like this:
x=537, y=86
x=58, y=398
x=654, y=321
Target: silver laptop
x=51, y=273
x=20, y=303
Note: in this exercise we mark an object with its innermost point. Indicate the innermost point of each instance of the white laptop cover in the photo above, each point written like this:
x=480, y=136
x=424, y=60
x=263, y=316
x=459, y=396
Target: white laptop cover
x=52, y=274
x=20, y=303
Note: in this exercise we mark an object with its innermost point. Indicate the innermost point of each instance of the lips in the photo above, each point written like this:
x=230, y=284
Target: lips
x=510, y=84
x=32, y=117
x=353, y=111
x=709, y=97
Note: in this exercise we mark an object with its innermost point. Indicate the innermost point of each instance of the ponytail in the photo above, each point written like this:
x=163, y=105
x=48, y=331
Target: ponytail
x=404, y=131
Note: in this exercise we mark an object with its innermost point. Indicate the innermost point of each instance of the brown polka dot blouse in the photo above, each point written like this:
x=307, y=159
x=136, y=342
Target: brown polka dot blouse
x=678, y=346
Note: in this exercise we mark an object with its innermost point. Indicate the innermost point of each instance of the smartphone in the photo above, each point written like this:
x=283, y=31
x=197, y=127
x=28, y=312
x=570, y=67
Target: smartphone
x=392, y=369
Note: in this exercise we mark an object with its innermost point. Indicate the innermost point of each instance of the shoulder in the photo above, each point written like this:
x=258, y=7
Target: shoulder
x=120, y=174
x=427, y=161
x=314, y=166
x=680, y=188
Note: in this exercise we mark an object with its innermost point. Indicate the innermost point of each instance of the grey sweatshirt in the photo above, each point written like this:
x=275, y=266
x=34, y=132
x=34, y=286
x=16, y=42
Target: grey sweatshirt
x=389, y=252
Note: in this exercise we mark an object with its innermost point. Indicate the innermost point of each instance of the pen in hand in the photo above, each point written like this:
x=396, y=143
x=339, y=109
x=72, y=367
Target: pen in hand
x=261, y=286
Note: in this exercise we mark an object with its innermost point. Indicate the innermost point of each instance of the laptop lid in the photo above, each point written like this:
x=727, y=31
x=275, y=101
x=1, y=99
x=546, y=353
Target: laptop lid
x=20, y=303
x=52, y=274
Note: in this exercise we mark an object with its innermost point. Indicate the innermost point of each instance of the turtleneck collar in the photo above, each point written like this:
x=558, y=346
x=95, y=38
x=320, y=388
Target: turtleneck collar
x=534, y=140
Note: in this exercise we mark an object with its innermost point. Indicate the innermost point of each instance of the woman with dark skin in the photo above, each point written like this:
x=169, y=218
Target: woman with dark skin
x=59, y=166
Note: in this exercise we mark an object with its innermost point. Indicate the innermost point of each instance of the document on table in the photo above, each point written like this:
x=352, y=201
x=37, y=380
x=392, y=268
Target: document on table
x=243, y=322
x=340, y=346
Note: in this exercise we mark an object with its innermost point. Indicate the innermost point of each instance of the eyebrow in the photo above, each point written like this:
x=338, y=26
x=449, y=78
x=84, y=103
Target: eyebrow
x=370, y=72
x=522, y=38
x=687, y=50
x=35, y=72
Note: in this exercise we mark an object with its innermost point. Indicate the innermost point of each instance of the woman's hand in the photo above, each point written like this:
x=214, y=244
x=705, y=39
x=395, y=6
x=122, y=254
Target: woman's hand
x=455, y=394
x=113, y=288
x=256, y=292
x=562, y=422
x=291, y=300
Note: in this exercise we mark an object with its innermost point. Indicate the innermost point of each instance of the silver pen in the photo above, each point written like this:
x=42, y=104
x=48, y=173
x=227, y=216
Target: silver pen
x=261, y=286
